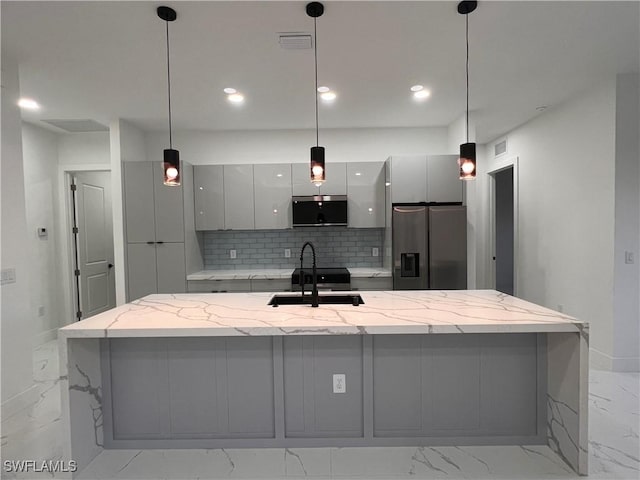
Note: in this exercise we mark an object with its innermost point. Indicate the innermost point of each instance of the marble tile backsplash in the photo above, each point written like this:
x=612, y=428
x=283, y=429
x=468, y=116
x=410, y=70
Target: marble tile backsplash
x=335, y=247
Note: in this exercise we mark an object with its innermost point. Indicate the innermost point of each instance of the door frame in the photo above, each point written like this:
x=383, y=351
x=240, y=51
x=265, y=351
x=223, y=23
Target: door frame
x=498, y=166
x=68, y=260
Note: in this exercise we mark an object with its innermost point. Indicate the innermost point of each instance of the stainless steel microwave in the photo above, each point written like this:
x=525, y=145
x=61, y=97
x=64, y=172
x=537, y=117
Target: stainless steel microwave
x=319, y=210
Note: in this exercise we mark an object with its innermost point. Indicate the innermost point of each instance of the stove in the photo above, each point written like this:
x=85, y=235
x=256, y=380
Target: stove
x=328, y=279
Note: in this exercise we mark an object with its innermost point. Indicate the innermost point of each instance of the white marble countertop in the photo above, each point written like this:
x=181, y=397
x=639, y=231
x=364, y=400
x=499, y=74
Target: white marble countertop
x=276, y=273
x=250, y=274
x=389, y=312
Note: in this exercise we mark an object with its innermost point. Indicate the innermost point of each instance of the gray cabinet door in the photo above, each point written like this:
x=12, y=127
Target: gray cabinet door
x=139, y=203
x=443, y=179
x=170, y=265
x=366, y=194
x=301, y=180
x=209, y=197
x=169, y=208
x=409, y=179
x=272, y=191
x=141, y=270
x=336, y=179
x=238, y=197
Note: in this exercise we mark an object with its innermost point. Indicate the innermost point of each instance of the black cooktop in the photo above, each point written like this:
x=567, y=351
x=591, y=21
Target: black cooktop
x=325, y=275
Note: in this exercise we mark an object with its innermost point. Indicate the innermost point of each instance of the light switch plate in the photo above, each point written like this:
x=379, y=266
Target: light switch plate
x=233, y=254
x=339, y=383
x=374, y=252
x=628, y=258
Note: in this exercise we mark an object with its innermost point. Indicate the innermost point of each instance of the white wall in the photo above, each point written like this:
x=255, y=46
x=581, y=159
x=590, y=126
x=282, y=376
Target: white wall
x=40, y=152
x=626, y=310
x=292, y=146
x=566, y=210
x=16, y=320
x=87, y=148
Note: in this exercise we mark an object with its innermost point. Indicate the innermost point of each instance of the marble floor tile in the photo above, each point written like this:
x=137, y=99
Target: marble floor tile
x=614, y=425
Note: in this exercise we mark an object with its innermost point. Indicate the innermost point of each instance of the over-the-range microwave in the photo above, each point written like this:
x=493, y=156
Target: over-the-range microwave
x=319, y=210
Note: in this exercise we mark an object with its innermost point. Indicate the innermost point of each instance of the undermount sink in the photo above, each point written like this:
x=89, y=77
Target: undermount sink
x=328, y=299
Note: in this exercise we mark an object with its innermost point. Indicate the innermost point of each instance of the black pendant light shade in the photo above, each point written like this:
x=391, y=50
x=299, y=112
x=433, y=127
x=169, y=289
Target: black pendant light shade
x=315, y=10
x=171, y=162
x=171, y=167
x=317, y=165
x=467, y=160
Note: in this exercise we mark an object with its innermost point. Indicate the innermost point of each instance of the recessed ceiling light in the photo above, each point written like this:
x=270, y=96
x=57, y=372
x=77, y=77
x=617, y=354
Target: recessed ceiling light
x=279, y=175
x=236, y=98
x=230, y=90
x=421, y=94
x=416, y=88
x=358, y=174
x=328, y=96
x=28, y=104
x=323, y=89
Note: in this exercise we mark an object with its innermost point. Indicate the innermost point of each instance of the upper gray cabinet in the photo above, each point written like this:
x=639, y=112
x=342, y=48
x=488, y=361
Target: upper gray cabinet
x=154, y=212
x=238, y=197
x=335, y=183
x=208, y=185
x=443, y=179
x=422, y=178
x=272, y=192
x=366, y=194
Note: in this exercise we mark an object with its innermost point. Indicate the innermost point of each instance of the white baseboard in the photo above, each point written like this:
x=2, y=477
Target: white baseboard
x=44, y=337
x=20, y=402
x=602, y=361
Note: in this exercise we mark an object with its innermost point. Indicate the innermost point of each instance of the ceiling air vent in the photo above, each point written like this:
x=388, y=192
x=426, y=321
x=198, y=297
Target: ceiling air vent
x=294, y=41
x=500, y=148
x=76, y=126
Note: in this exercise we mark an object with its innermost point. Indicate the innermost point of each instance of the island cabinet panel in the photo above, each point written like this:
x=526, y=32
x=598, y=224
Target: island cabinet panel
x=311, y=407
x=191, y=388
x=454, y=386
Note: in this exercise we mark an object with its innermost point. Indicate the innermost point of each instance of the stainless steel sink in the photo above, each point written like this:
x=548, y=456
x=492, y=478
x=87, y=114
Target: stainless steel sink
x=327, y=299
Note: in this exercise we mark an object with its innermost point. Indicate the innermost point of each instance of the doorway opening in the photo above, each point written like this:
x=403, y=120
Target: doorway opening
x=92, y=256
x=504, y=227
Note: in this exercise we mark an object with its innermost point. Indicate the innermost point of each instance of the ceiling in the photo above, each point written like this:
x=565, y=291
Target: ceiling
x=106, y=60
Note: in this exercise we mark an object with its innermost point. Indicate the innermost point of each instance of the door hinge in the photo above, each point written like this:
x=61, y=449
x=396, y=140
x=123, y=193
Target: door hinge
x=74, y=230
x=78, y=315
x=76, y=272
x=74, y=187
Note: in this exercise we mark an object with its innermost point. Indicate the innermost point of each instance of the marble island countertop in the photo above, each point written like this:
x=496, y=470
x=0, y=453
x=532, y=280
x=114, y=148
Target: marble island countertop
x=388, y=312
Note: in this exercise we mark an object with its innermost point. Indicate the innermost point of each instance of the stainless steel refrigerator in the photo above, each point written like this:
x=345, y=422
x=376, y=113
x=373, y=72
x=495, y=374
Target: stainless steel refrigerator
x=429, y=247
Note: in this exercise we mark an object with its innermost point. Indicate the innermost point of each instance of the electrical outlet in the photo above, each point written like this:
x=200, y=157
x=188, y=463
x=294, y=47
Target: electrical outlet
x=41, y=311
x=628, y=258
x=374, y=252
x=287, y=253
x=339, y=383
x=233, y=254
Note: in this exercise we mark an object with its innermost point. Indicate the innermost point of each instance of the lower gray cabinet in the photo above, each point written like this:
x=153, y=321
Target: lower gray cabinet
x=155, y=267
x=312, y=409
x=191, y=388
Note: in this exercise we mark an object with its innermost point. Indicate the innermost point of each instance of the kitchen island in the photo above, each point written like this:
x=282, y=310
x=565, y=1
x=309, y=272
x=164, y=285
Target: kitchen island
x=473, y=367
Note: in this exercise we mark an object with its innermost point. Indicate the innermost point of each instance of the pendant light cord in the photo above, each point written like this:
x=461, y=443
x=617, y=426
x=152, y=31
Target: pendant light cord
x=315, y=57
x=467, y=37
x=169, y=86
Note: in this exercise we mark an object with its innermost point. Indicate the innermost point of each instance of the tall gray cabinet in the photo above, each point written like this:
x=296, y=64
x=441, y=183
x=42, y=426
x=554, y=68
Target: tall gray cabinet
x=155, y=230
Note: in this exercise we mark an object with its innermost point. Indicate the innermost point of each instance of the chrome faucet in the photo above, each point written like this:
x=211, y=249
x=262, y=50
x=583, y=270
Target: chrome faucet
x=314, y=292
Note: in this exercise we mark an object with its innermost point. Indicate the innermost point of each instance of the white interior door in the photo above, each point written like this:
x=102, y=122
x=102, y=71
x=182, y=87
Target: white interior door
x=96, y=279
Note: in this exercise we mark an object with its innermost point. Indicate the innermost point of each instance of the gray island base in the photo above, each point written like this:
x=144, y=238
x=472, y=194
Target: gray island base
x=407, y=368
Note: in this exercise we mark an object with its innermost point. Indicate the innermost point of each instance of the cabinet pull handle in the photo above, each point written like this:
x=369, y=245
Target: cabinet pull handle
x=150, y=243
x=160, y=243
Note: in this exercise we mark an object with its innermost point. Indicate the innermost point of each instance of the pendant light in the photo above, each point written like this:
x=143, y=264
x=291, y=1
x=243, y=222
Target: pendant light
x=315, y=10
x=467, y=160
x=171, y=164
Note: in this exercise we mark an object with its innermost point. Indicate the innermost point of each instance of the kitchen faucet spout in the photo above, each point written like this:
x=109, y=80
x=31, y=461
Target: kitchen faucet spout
x=314, y=291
